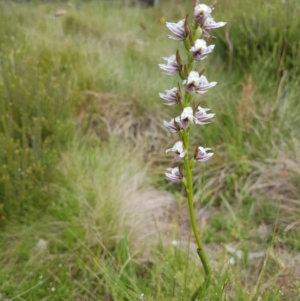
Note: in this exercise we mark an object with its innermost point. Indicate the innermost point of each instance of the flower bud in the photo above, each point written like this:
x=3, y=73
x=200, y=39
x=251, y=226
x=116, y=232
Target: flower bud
x=197, y=33
x=178, y=60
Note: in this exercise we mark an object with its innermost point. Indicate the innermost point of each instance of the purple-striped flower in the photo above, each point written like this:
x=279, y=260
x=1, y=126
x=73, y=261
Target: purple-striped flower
x=172, y=67
x=201, y=13
x=200, y=50
x=186, y=117
x=201, y=116
x=197, y=84
x=170, y=96
x=174, y=125
x=178, y=30
x=178, y=148
x=174, y=175
x=211, y=24
x=202, y=154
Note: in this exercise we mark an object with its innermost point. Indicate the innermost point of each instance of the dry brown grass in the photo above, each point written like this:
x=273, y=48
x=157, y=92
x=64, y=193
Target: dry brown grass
x=111, y=115
x=245, y=106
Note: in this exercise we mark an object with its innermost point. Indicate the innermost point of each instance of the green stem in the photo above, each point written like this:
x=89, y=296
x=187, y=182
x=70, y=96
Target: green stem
x=189, y=188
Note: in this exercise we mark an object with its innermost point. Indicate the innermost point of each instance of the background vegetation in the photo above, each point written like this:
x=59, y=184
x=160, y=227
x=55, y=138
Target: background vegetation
x=85, y=212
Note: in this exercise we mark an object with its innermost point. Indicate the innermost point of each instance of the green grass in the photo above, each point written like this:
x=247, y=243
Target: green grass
x=85, y=212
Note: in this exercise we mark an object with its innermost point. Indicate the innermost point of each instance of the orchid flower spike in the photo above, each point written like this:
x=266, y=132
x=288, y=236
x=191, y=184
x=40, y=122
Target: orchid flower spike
x=170, y=96
x=178, y=30
x=174, y=175
x=178, y=148
x=202, y=154
x=186, y=117
x=200, y=50
x=201, y=116
x=195, y=39
x=197, y=84
x=172, y=67
x=174, y=125
x=210, y=23
x=201, y=13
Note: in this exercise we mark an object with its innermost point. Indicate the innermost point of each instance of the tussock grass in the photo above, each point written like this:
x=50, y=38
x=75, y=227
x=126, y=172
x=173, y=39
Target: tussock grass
x=107, y=188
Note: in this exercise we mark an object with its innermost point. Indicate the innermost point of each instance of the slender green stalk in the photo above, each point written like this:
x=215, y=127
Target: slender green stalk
x=189, y=188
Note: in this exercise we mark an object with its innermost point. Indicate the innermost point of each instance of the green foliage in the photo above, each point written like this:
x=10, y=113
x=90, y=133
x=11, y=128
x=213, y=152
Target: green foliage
x=263, y=38
x=34, y=125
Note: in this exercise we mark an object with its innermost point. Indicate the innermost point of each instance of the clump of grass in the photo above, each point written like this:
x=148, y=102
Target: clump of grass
x=97, y=183
x=107, y=188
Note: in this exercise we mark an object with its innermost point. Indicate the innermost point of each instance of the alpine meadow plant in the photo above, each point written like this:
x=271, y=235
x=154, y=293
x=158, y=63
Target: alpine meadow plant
x=195, y=38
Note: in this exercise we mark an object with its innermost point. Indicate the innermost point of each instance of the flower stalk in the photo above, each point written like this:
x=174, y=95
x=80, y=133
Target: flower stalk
x=195, y=39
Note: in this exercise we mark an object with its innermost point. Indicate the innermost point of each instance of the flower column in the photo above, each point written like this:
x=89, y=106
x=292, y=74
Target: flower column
x=195, y=42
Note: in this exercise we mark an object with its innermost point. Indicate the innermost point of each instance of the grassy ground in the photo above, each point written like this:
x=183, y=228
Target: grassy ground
x=85, y=212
